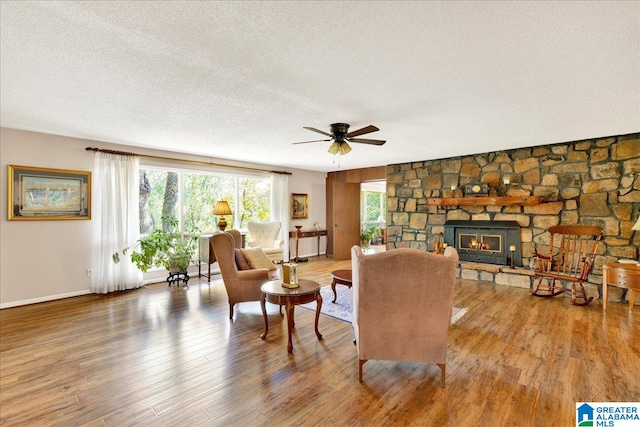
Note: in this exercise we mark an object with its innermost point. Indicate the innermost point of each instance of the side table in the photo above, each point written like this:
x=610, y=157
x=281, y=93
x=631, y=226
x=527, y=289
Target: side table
x=301, y=234
x=620, y=275
x=340, y=277
x=273, y=292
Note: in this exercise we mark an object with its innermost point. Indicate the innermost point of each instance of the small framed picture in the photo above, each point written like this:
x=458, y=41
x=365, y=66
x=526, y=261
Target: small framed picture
x=48, y=194
x=299, y=206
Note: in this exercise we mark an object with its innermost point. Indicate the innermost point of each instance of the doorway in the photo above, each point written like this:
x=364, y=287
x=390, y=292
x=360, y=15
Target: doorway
x=373, y=215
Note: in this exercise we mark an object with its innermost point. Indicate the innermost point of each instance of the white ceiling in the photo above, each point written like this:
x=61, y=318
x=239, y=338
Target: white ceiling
x=239, y=80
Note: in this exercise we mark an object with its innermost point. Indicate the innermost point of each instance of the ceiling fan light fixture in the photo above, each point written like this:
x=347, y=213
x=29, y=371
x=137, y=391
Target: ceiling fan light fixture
x=340, y=135
x=344, y=148
x=334, y=148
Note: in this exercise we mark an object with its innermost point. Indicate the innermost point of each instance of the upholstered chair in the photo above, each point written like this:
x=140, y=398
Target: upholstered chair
x=241, y=285
x=206, y=254
x=265, y=236
x=402, y=301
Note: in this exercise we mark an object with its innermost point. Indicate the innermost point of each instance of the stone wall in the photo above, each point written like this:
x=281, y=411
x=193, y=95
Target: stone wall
x=590, y=182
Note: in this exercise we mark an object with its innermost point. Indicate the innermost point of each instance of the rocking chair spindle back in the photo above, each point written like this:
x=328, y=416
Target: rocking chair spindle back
x=570, y=257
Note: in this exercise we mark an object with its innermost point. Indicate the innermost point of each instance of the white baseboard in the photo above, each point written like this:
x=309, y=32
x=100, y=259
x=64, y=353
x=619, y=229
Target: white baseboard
x=192, y=274
x=85, y=292
x=44, y=299
x=312, y=255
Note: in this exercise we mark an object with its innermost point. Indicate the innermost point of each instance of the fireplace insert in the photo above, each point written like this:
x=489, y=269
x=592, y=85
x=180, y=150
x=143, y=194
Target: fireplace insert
x=491, y=242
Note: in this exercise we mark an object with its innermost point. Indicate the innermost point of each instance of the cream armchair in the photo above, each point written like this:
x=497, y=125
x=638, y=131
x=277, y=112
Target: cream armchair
x=265, y=236
x=402, y=301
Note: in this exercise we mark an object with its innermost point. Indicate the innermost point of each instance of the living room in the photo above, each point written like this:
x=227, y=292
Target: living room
x=505, y=375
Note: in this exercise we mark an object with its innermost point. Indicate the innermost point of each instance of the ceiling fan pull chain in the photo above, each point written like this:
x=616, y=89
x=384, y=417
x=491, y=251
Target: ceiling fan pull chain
x=334, y=159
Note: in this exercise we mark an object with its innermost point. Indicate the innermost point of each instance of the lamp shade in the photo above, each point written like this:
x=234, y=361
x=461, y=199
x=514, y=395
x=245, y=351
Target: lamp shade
x=344, y=148
x=341, y=148
x=222, y=208
x=637, y=225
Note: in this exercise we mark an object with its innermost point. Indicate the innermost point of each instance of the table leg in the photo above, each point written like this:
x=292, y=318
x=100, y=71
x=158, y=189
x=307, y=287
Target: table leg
x=264, y=315
x=318, y=307
x=631, y=297
x=326, y=246
x=333, y=288
x=289, y=309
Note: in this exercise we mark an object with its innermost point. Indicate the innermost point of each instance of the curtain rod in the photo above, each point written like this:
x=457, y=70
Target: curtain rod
x=197, y=162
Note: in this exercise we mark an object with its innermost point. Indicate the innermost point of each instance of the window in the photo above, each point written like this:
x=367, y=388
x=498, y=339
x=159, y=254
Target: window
x=373, y=204
x=190, y=197
x=200, y=195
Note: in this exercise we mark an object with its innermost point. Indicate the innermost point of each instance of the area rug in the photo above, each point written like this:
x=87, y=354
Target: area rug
x=342, y=310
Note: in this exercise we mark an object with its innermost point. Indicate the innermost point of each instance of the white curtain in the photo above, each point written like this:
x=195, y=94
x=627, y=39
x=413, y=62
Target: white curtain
x=115, y=222
x=280, y=207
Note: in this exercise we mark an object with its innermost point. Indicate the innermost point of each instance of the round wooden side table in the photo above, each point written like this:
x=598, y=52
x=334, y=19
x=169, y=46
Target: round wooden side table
x=273, y=292
x=340, y=277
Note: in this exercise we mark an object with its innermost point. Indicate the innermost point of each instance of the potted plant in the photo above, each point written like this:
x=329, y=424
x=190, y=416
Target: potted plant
x=168, y=249
x=368, y=234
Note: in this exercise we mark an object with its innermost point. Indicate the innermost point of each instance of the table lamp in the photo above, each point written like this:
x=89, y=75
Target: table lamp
x=636, y=227
x=222, y=208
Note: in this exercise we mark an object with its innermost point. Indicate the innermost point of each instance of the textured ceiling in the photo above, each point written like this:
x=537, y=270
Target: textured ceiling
x=239, y=80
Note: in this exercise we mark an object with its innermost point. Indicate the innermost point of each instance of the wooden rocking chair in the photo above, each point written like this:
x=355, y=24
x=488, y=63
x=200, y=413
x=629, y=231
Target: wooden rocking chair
x=572, y=250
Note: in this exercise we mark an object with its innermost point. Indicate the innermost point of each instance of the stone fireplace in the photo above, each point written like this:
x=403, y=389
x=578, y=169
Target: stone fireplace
x=594, y=182
x=492, y=242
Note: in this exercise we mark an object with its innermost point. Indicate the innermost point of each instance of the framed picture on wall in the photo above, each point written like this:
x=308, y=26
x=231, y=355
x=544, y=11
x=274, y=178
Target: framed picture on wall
x=48, y=194
x=299, y=206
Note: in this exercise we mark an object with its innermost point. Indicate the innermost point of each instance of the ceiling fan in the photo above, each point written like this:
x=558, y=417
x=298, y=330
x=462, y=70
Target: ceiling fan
x=340, y=135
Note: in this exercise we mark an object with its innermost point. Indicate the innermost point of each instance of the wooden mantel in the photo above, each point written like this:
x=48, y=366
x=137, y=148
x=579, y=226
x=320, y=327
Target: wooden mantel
x=484, y=201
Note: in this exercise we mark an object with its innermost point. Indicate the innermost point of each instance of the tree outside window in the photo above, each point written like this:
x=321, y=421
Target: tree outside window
x=201, y=192
x=255, y=201
x=372, y=208
x=191, y=196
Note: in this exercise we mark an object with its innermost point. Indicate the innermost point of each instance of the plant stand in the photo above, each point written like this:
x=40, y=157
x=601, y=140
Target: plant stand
x=177, y=277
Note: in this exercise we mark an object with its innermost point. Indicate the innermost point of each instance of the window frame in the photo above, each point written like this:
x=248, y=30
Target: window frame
x=236, y=176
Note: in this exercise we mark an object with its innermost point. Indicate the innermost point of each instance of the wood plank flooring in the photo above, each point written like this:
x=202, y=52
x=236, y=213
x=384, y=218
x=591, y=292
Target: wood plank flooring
x=163, y=356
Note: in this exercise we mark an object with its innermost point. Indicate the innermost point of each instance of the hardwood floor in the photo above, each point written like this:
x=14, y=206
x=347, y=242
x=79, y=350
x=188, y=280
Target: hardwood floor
x=167, y=356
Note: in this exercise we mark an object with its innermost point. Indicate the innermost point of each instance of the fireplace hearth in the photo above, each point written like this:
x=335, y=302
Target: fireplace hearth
x=491, y=242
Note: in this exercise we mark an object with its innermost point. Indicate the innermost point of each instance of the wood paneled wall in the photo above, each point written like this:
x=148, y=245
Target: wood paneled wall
x=351, y=175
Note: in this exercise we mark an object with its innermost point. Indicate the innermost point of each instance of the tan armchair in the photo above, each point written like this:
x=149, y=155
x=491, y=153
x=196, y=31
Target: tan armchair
x=265, y=236
x=402, y=301
x=206, y=254
x=241, y=285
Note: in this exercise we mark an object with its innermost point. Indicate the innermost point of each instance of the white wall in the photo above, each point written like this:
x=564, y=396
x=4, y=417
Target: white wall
x=313, y=184
x=45, y=260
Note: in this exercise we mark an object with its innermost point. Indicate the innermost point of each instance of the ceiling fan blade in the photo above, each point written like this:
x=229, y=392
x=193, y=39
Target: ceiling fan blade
x=315, y=140
x=316, y=130
x=366, y=129
x=367, y=141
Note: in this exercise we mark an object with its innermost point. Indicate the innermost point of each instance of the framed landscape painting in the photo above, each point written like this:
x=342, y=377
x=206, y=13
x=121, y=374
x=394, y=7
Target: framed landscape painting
x=299, y=206
x=48, y=194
